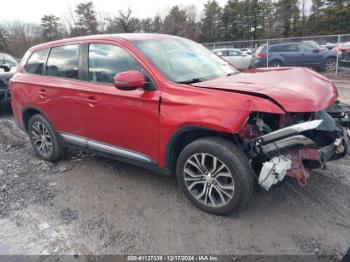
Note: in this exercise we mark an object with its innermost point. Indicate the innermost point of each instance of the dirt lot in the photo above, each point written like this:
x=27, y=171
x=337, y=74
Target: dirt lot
x=89, y=205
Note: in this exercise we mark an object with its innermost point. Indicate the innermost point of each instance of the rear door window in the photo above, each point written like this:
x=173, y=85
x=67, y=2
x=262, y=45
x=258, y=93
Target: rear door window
x=36, y=62
x=289, y=48
x=307, y=48
x=63, y=62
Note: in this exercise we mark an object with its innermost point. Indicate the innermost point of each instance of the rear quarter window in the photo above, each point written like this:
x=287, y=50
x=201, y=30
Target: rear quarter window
x=63, y=62
x=36, y=62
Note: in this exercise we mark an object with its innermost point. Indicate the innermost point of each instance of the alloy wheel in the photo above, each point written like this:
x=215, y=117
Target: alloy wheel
x=275, y=64
x=42, y=139
x=330, y=65
x=209, y=180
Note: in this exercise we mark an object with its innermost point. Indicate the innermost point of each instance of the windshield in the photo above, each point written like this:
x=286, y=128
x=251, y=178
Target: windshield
x=184, y=61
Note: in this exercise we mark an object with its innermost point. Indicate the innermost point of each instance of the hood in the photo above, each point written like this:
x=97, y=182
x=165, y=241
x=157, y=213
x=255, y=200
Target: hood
x=294, y=89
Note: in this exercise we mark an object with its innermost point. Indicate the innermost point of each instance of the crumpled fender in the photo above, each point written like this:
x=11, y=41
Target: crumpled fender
x=212, y=110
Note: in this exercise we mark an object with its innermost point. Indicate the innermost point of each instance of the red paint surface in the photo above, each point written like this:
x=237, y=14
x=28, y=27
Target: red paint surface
x=144, y=120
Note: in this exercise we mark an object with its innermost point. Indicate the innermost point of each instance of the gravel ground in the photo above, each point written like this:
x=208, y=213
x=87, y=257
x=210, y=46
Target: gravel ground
x=85, y=204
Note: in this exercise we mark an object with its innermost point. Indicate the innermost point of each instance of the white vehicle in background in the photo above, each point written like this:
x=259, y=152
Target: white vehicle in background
x=329, y=46
x=235, y=57
x=246, y=51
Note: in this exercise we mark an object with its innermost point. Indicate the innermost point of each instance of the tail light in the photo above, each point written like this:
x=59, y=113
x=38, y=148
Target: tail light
x=260, y=55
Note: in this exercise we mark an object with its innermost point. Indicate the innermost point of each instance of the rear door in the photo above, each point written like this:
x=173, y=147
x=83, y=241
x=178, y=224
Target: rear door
x=55, y=88
x=117, y=120
x=238, y=59
x=291, y=54
x=309, y=56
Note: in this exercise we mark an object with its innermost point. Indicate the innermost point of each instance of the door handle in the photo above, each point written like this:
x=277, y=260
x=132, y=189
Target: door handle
x=91, y=100
x=42, y=93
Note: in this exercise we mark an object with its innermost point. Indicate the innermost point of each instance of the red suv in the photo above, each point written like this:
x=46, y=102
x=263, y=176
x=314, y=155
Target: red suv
x=169, y=104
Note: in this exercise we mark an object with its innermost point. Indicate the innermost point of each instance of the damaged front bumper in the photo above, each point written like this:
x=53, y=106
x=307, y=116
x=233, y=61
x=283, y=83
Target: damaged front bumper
x=296, y=149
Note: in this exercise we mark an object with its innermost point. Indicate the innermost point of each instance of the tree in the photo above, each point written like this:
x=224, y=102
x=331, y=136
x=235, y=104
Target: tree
x=287, y=16
x=192, y=30
x=231, y=21
x=86, y=21
x=210, y=26
x=175, y=21
x=21, y=36
x=50, y=27
x=146, y=25
x=124, y=23
x=329, y=17
x=3, y=41
x=267, y=10
x=157, y=24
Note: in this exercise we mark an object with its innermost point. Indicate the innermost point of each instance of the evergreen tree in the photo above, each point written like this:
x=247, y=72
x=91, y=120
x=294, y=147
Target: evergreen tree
x=157, y=24
x=3, y=42
x=50, y=27
x=175, y=21
x=267, y=19
x=86, y=23
x=230, y=21
x=288, y=17
x=210, y=26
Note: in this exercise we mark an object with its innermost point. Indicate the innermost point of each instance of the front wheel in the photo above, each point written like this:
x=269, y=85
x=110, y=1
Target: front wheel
x=215, y=175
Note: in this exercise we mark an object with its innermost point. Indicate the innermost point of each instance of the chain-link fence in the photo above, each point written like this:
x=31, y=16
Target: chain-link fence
x=328, y=54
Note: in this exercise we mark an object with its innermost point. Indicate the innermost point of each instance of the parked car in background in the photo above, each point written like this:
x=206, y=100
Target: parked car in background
x=235, y=57
x=314, y=44
x=246, y=51
x=329, y=46
x=344, y=54
x=295, y=54
x=171, y=105
x=8, y=67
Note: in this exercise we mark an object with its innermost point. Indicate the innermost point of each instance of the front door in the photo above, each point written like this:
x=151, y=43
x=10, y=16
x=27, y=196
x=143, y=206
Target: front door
x=309, y=55
x=119, y=121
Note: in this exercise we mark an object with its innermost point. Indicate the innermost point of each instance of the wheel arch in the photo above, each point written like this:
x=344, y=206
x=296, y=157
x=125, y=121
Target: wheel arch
x=29, y=112
x=277, y=59
x=186, y=135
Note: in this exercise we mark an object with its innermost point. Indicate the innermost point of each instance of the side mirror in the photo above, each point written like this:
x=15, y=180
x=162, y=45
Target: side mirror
x=316, y=50
x=129, y=80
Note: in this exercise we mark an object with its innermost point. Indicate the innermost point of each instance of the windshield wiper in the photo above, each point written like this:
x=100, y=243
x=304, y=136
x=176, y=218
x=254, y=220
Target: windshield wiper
x=232, y=73
x=192, y=81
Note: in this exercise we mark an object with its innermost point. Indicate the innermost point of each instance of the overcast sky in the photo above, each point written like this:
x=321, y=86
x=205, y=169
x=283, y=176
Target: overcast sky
x=33, y=10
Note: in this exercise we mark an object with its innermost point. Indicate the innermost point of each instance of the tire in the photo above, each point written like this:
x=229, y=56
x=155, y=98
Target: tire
x=236, y=176
x=38, y=128
x=330, y=64
x=275, y=63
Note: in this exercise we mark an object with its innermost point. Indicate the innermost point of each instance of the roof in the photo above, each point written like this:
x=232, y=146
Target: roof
x=119, y=37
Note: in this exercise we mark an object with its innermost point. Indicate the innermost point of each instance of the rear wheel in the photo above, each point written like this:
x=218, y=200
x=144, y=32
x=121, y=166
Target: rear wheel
x=275, y=63
x=44, y=139
x=215, y=175
x=330, y=64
